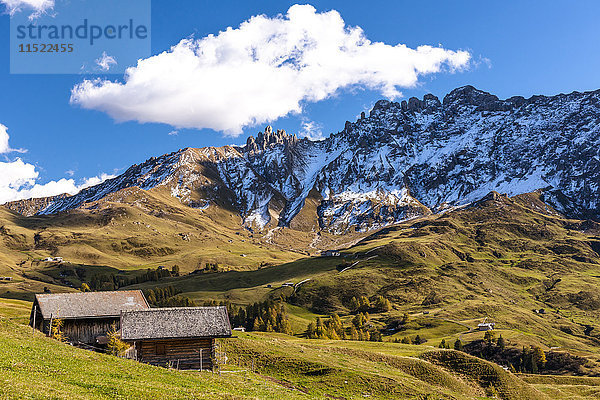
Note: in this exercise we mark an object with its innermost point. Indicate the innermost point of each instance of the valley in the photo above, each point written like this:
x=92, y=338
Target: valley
x=399, y=234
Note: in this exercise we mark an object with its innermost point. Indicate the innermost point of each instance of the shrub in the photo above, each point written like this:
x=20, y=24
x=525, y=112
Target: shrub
x=115, y=345
x=56, y=330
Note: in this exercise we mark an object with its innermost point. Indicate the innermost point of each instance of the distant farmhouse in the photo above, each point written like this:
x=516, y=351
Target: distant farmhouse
x=53, y=259
x=86, y=316
x=183, y=337
x=486, y=326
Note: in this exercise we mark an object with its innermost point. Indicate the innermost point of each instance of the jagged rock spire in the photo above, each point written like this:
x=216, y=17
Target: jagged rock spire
x=268, y=138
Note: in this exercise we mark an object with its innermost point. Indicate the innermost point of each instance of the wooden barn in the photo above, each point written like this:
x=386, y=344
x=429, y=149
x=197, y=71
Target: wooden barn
x=86, y=316
x=182, y=337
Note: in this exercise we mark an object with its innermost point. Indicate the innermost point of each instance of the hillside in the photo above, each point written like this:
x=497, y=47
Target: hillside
x=501, y=258
x=293, y=368
x=147, y=230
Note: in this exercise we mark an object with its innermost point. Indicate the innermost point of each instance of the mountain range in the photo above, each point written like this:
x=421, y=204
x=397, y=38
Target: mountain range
x=402, y=160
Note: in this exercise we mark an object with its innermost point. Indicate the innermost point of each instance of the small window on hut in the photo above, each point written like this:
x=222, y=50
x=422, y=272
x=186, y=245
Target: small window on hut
x=160, y=349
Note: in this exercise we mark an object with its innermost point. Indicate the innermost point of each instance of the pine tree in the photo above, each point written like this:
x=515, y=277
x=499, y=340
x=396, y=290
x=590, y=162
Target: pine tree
x=286, y=327
x=332, y=334
x=343, y=335
x=534, y=365
x=458, y=345
x=376, y=336
x=488, y=336
x=364, y=303
x=366, y=336
x=382, y=304
x=442, y=344
x=258, y=323
x=501, y=343
x=526, y=360
x=320, y=328
x=311, y=331
x=269, y=327
x=336, y=323
x=359, y=320
x=354, y=305
x=539, y=357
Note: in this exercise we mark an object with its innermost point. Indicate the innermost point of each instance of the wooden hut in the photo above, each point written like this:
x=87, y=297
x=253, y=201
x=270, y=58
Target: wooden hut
x=181, y=337
x=86, y=316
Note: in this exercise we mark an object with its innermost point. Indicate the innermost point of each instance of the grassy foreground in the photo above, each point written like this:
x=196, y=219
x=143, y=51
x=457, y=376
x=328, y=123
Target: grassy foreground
x=35, y=367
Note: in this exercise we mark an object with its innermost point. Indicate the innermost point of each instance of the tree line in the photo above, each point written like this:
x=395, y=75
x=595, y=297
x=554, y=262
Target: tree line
x=107, y=282
x=333, y=328
x=266, y=316
x=363, y=304
x=167, y=296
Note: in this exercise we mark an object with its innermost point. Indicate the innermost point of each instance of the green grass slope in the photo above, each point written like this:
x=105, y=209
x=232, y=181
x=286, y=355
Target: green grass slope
x=36, y=367
x=132, y=230
x=500, y=259
x=264, y=366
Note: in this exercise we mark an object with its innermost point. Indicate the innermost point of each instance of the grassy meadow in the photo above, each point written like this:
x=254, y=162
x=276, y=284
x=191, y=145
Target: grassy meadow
x=510, y=261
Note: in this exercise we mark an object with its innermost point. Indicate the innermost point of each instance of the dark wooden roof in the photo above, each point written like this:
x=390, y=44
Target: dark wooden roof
x=178, y=322
x=90, y=304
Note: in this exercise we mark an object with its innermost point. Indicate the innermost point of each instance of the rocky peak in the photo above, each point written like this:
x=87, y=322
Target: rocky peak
x=404, y=158
x=429, y=103
x=469, y=96
x=269, y=138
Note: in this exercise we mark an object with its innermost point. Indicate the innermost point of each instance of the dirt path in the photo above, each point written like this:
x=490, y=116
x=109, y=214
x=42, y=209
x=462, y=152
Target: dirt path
x=356, y=262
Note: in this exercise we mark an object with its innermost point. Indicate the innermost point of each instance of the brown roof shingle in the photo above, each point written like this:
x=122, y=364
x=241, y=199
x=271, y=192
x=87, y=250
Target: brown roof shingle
x=90, y=304
x=178, y=322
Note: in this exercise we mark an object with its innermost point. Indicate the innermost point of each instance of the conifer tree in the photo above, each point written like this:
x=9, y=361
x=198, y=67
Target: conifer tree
x=354, y=305
x=364, y=303
x=539, y=357
x=311, y=331
x=458, y=345
x=501, y=343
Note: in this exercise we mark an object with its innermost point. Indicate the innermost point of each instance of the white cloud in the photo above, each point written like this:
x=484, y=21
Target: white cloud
x=37, y=6
x=18, y=179
x=105, y=62
x=95, y=180
x=173, y=133
x=311, y=130
x=4, y=147
x=262, y=70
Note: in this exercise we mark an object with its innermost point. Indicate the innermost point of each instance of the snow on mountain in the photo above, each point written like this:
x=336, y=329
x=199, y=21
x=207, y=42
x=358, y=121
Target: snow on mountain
x=401, y=161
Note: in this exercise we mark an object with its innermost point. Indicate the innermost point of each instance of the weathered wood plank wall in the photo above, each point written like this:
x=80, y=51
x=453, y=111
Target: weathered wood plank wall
x=184, y=353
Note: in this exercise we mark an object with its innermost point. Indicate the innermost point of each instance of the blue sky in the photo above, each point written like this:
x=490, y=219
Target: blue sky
x=517, y=48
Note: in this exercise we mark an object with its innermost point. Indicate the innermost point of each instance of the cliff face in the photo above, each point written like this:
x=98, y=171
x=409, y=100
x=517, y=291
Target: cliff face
x=402, y=160
x=29, y=207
